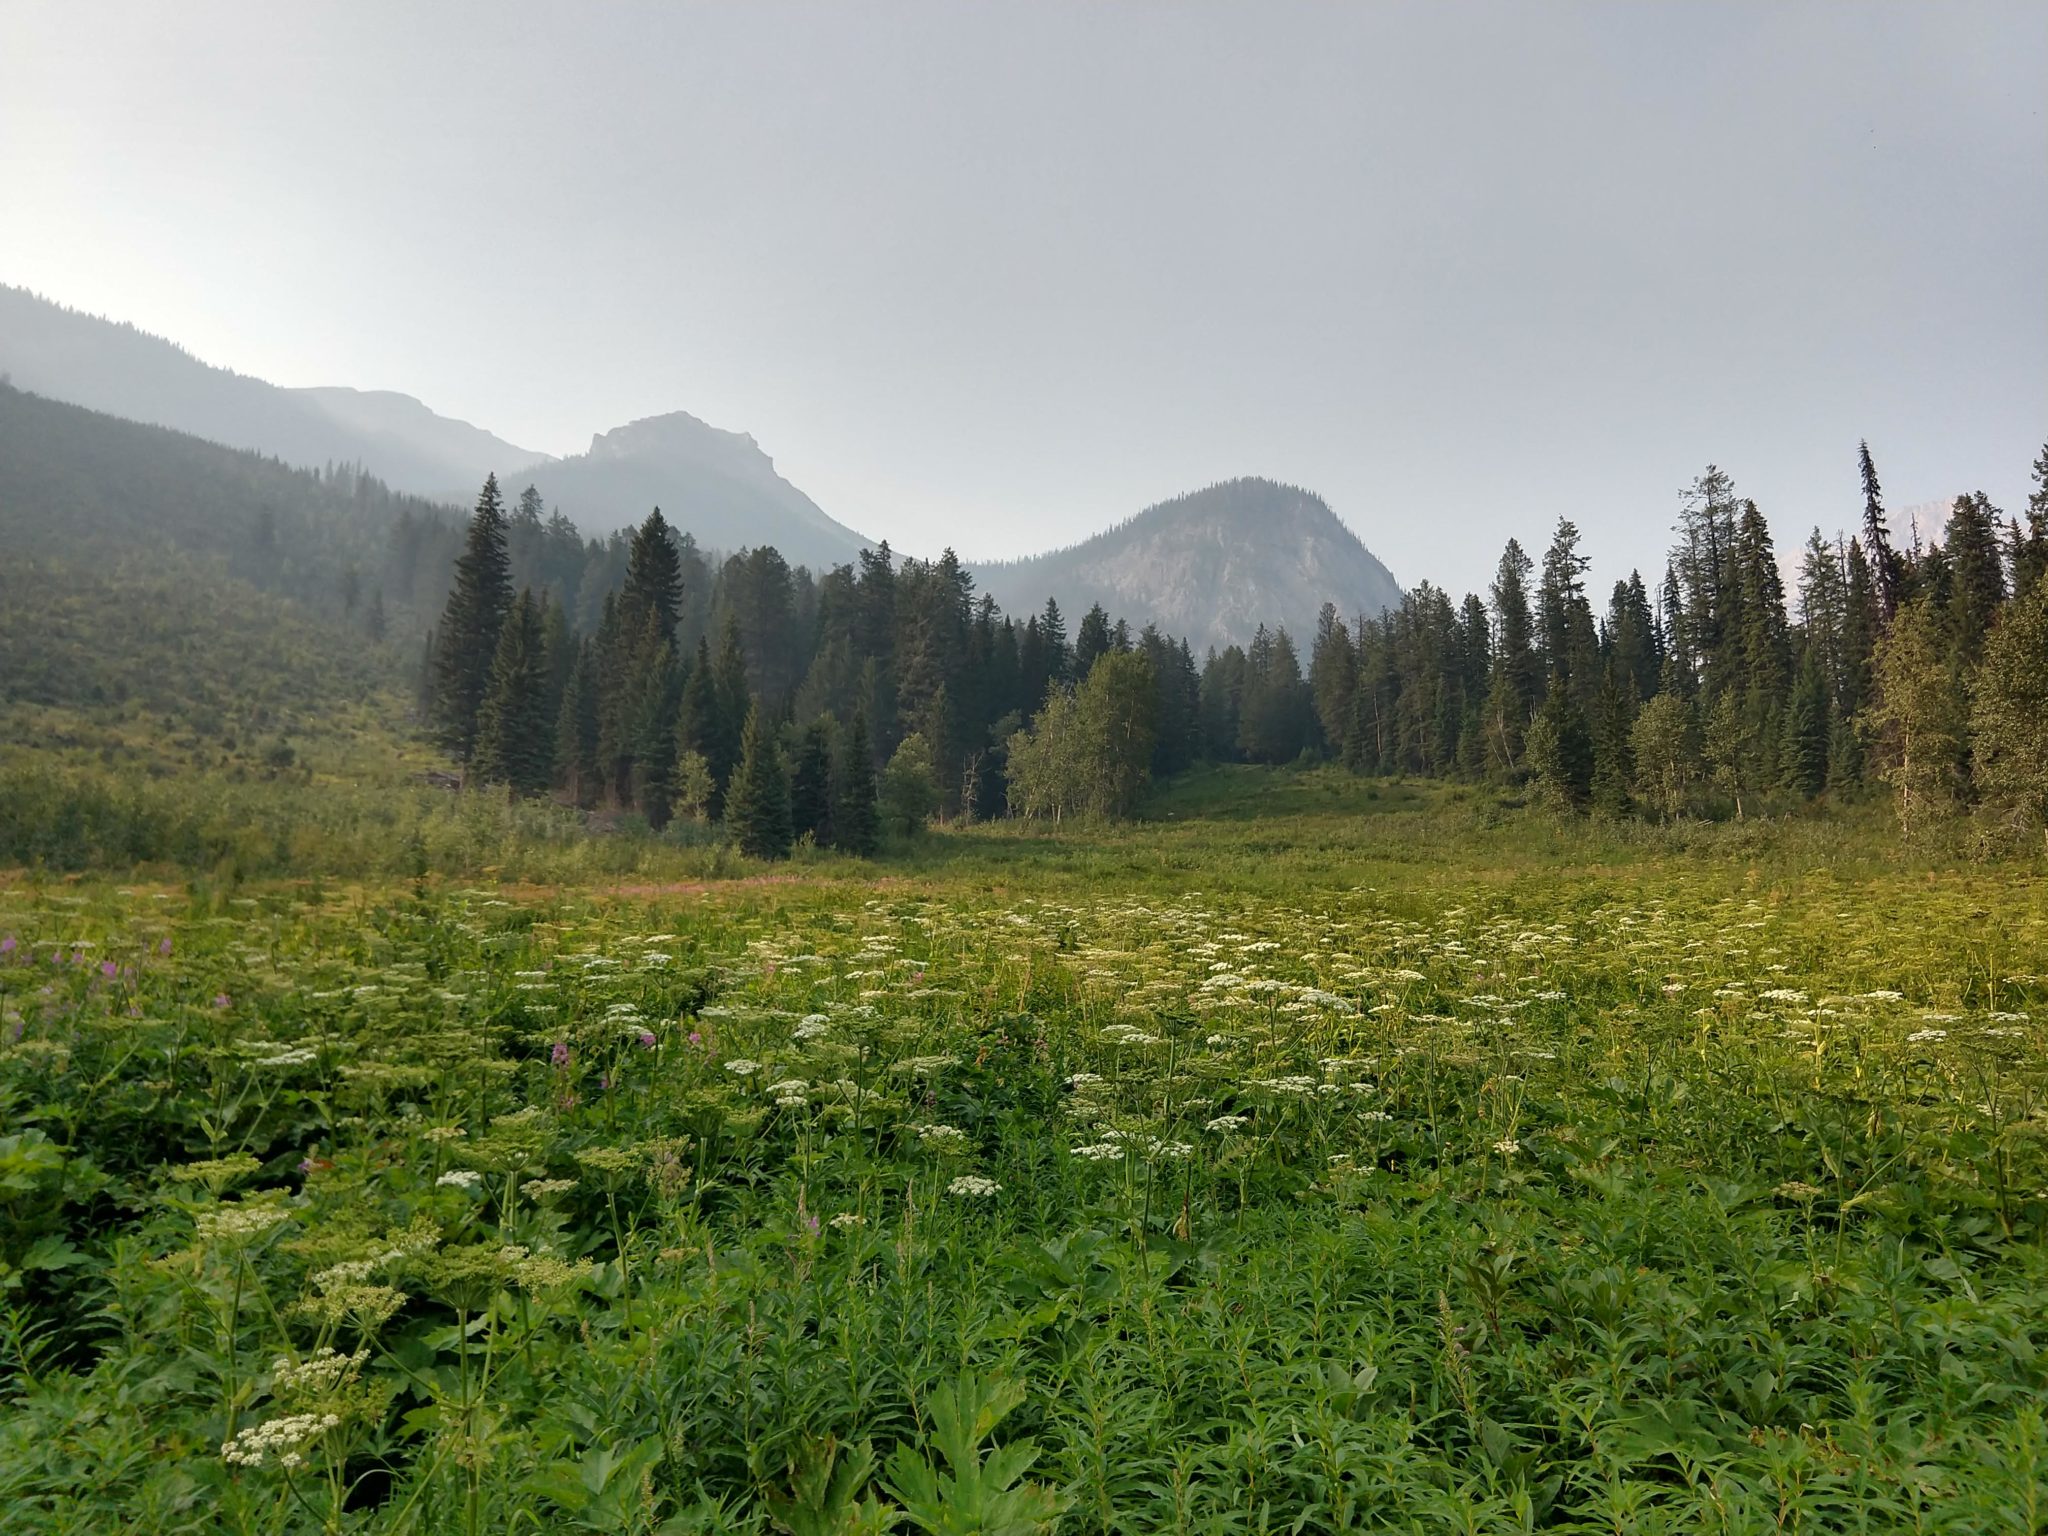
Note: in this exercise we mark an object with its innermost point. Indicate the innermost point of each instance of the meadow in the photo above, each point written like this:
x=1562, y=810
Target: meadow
x=1318, y=1154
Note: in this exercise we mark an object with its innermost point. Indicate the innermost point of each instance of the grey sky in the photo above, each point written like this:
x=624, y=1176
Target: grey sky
x=994, y=276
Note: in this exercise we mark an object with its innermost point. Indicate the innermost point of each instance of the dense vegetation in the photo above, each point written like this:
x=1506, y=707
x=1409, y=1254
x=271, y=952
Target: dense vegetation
x=1317, y=1156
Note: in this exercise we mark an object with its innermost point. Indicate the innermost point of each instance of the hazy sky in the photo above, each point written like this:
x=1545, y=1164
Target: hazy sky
x=995, y=275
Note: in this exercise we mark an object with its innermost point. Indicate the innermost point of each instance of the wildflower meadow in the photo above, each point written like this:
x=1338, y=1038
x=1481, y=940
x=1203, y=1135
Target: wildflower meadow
x=1490, y=1193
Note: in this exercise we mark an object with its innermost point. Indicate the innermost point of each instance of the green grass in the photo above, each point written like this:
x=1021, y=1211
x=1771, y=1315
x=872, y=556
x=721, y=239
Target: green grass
x=1377, y=1157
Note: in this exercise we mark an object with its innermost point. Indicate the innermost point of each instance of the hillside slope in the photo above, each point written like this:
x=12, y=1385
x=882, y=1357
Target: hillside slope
x=123, y=371
x=1211, y=565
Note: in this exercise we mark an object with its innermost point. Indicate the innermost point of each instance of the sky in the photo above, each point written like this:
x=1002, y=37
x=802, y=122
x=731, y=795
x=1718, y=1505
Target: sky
x=993, y=276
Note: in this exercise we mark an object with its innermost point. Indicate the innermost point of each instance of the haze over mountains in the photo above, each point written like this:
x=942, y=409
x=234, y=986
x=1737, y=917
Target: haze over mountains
x=1209, y=566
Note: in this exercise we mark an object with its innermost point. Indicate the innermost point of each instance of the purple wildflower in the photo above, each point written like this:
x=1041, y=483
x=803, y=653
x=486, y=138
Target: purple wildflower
x=220, y=1000
x=164, y=948
x=560, y=1054
x=109, y=970
x=7, y=945
x=646, y=1040
x=695, y=1038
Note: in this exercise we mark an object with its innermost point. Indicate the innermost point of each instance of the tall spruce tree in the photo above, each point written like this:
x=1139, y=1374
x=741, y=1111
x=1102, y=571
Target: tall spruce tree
x=1561, y=748
x=467, y=636
x=810, y=783
x=577, y=773
x=515, y=736
x=1614, y=758
x=1887, y=567
x=757, y=801
x=1516, y=683
x=856, y=815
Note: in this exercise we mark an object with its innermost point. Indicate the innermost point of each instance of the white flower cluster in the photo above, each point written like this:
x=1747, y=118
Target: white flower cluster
x=231, y=1223
x=1922, y=1036
x=320, y=1373
x=941, y=1138
x=973, y=1186
x=1098, y=1152
x=847, y=1219
x=743, y=1066
x=1228, y=1123
x=283, y=1440
x=460, y=1178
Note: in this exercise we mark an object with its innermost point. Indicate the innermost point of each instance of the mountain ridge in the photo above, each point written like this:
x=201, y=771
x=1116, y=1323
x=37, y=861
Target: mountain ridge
x=1210, y=565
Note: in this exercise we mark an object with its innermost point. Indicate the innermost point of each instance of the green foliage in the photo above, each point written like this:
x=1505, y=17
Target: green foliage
x=973, y=1494
x=2009, y=721
x=467, y=635
x=856, y=816
x=757, y=801
x=1560, y=748
x=909, y=792
x=1472, y=1182
x=515, y=736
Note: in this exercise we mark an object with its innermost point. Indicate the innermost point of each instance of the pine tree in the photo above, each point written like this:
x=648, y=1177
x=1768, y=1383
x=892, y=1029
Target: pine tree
x=1976, y=578
x=1806, y=740
x=856, y=817
x=1561, y=748
x=810, y=785
x=757, y=800
x=1614, y=757
x=515, y=737
x=731, y=703
x=654, y=580
x=1052, y=633
x=1091, y=640
x=1887, y=568
x=2030, y=548
x=2009, y=719
x=576, y=766
x=467, y=636
x=1512, y=693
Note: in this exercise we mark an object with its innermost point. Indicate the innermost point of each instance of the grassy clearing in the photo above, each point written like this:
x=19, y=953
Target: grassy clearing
x=1394, y=1163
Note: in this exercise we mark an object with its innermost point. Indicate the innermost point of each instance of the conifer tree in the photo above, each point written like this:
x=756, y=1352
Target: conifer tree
x=2030, y=546
x=2009, y=719
x=757, y=800
x=576, y=767
x=810, y=783
x=1091, y=640
x=654, y=580
x=731, y=703
x=1561, y=748
x=1052, y=633
x=1976, y=578
x=1512, y=694
x=1614, y=757
x=1804, y=749
x=467, y=636
x=515, y=737
x=856, y=817
x=1887, y=568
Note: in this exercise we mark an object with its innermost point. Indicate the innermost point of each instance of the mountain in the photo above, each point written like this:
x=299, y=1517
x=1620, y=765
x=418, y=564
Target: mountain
x=1211, y=565
x=85, y=360
x=718, y=486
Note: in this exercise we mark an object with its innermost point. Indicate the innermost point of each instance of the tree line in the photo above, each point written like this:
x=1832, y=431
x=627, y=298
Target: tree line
x=884, y=692
x=1920, y=670
x=877, y=695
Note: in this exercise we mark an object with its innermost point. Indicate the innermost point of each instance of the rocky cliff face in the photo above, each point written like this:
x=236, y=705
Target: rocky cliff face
x=1211, y=565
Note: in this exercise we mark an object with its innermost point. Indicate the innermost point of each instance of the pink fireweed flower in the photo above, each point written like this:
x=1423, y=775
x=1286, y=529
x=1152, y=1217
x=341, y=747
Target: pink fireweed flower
x=560, y=1054
x=646, y=1040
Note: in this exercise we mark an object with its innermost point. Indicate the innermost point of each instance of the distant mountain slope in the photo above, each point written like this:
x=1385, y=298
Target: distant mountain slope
x=116, y=368
x=1211, y=565
x=714, y=484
